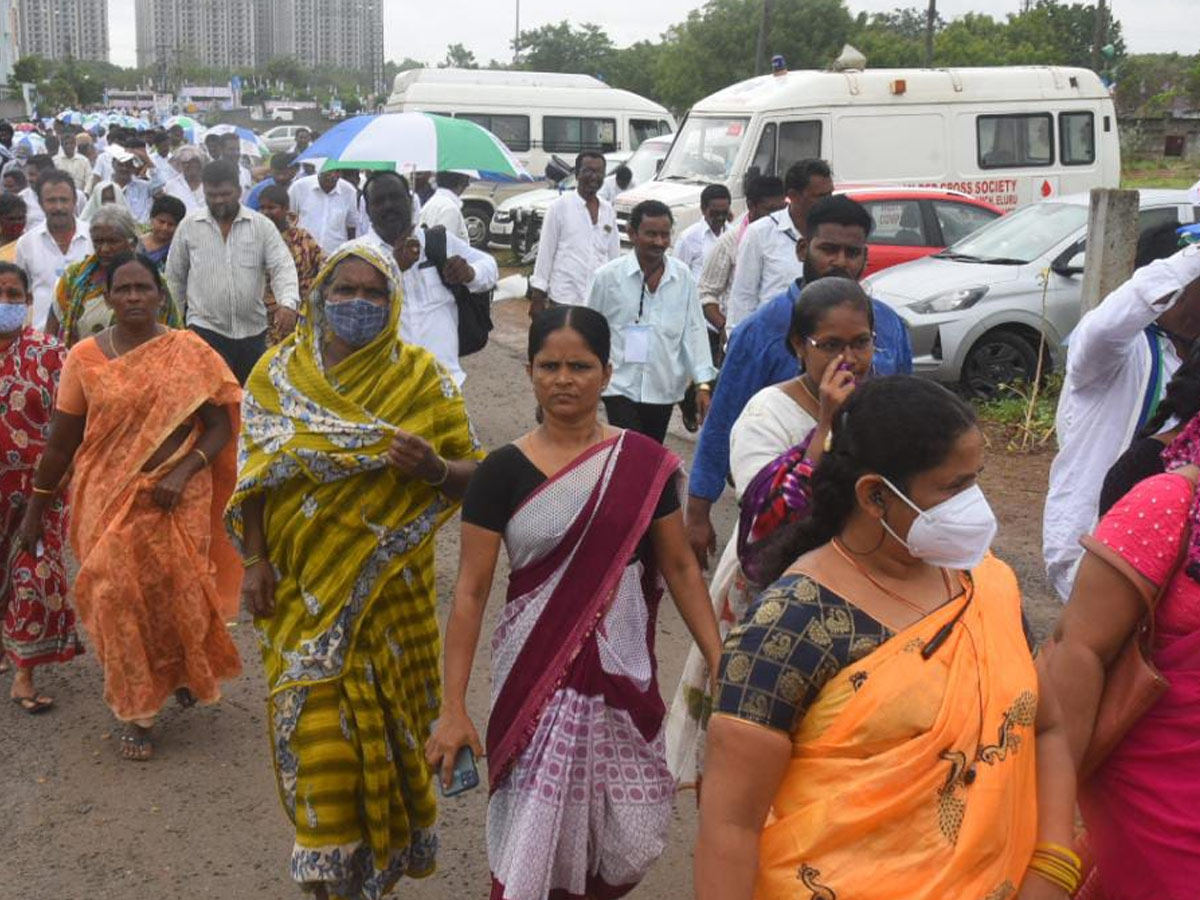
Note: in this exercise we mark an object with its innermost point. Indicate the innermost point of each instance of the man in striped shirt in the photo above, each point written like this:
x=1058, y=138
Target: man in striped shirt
x=219, y=264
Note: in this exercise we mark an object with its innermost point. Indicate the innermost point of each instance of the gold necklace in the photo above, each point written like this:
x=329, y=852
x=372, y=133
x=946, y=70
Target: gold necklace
x=808, y=390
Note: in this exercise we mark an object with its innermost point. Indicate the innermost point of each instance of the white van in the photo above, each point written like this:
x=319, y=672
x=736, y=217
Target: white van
x=536, y=114
x=1009, y=136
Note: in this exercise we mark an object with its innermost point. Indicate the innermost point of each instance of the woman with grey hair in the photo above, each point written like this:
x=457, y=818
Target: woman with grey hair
x=80, y=309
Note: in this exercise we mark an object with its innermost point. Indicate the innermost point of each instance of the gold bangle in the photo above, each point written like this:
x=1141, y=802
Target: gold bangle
x=251, y=561
x=1057, y=871
x=1056, y=859
x=203, y=456
x=42, y=492
x=1049, y=847
x=445, y=474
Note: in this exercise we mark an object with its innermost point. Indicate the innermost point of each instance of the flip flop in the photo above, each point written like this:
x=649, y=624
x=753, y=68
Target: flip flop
x=34, y=705
x=137, y=747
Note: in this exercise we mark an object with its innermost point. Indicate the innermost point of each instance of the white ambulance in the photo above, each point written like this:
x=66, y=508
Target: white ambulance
x=1010, y=135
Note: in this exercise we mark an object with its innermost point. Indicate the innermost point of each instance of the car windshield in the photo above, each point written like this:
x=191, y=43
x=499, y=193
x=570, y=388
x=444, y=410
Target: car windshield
x=1021, y=236
x=705, y=150
x=644, y=162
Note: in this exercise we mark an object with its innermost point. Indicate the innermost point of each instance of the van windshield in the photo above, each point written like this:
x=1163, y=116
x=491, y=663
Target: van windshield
x=1021, y=236
x=644, y=162
x=705, y=150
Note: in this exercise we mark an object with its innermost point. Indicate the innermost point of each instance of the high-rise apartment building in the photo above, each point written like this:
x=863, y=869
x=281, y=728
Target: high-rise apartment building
x=345, y=34
x=8, y=38
x=217, y=33
x=56, y=29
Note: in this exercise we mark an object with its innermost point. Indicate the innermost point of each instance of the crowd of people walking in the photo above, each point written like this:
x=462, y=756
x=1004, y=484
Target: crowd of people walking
x=252, y=399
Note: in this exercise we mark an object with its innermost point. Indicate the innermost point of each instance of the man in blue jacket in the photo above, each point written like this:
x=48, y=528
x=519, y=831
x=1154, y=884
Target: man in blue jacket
x=757, y=354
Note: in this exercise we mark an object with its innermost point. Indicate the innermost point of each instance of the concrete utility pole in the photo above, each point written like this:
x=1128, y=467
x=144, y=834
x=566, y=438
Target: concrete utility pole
x=517, y=36
x=930, y=21
x=760, y=50
x=1099, y=35
x=1112, y=238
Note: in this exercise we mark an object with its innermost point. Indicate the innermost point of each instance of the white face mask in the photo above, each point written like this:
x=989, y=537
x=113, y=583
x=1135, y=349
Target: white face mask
x=955, y=534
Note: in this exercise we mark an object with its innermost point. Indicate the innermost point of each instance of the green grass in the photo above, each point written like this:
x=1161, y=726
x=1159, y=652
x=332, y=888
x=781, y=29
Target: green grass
x=1159, y=173
x=1009, y=415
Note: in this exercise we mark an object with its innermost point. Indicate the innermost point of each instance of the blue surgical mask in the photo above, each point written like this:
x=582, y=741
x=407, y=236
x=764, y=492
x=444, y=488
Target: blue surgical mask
x=357, y=321
x=12, y=317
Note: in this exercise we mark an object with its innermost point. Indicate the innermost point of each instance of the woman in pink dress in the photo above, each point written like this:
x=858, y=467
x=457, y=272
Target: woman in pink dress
x=1142, y=805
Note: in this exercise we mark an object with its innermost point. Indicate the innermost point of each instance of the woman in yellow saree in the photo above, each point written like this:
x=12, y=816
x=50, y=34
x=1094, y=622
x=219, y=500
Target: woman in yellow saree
x=355, y=449
x=877, y=731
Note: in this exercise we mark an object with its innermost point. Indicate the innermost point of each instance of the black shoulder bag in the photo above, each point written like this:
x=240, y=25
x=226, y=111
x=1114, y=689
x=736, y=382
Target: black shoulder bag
x=474, y=310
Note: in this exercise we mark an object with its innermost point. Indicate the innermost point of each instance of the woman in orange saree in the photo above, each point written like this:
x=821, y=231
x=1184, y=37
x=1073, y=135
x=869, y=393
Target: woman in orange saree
x=146, y=415
x=877, y=731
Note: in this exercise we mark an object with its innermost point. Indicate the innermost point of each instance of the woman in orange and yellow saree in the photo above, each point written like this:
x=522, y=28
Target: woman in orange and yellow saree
x=878, y=730
x=146, y=416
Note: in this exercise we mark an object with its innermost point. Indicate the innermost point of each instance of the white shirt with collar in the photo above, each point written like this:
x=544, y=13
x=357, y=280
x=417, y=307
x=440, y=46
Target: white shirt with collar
x=38, y=254
x=104, y=166
x=328, y=217
x=766, y=265
x=178, y=187
x=221, y=280
x=572, y=248
x=695, y=244
x=429, y=317
x=1109, y=369
x=445, y=208
x=678, y=348
x=610, y=190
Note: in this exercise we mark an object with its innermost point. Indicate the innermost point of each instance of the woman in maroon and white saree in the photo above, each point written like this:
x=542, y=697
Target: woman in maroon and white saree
x=581, y=795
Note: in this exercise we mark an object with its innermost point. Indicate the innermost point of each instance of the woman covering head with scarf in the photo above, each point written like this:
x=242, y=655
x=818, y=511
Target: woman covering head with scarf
x=1142, y=565
x=355, y=449
x=80, y=309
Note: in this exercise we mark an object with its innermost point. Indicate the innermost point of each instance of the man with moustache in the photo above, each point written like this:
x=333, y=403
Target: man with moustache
x=219, y=264
x=757, y=354
x=659, y=337
x=429, y=317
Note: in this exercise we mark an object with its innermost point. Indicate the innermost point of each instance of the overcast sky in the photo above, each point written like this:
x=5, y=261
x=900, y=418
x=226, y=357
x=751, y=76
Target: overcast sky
x=422, y=30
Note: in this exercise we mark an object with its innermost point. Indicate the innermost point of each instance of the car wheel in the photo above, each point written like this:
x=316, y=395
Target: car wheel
x=998, y=358
x=478, y=218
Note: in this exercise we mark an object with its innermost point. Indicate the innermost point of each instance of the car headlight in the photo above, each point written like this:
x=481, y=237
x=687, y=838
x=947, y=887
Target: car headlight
x=950, y=301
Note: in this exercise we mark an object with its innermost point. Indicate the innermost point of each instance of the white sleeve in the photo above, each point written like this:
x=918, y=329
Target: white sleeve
x=1106, y=336
x=547, y=247
x=487, y=272
x=743, y=295
x=758, y=437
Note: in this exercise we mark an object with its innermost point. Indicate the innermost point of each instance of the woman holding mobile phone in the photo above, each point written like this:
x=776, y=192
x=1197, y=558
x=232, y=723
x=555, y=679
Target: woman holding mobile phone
x=581, y=794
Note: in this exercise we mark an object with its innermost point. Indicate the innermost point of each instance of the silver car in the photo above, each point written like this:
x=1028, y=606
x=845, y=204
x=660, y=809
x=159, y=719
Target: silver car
x=976, y=311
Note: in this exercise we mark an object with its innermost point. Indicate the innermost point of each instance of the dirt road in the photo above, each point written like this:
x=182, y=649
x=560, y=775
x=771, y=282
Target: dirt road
x=202, y=820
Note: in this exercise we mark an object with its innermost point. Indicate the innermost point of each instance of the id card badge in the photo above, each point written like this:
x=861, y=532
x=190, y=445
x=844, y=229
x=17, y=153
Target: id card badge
x=637, y=343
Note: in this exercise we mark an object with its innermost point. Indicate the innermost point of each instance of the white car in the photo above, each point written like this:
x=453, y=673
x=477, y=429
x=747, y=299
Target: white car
x=281, y=138
x=974, y=311
x=644, y=164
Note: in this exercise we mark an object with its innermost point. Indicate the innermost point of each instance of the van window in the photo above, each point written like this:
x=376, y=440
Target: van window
x=797, y=141
x=1077, y=135
x=1153, y=218
x=1017, y=141
x=512, y=130
x=957, y=220
x=898, y=223
x=642, y=129
x=764, y=156
x=572, y=134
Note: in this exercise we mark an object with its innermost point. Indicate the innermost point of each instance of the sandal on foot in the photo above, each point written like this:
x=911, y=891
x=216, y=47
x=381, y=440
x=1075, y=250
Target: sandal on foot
x=34, y=705
x=136, y=747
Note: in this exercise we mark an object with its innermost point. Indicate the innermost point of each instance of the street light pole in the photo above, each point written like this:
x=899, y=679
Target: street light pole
x=517, y=36
x=1098, y=35
x=760, y=50
x=930, y=19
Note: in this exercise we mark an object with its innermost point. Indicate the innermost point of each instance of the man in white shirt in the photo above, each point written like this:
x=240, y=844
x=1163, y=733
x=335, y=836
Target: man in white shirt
x=230, y=148
x=17, y=182
x=620, y=180
x=45, y=250
x=659, y=342
x=445, y=206
x=579, y=235
x=696, y=241
x=326, y=207
x=429, y=317
x=767, y=262
x=220, y=260
x=72, y=162
x=185, y=180
x=1119, y=359
x=135, y=182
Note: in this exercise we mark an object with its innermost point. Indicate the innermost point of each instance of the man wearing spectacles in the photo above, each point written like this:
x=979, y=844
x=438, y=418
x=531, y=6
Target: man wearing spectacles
x=757, y=354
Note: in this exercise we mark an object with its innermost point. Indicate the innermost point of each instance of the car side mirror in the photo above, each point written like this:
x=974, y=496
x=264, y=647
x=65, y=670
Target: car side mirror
x=658, y=165
x=1070, y=266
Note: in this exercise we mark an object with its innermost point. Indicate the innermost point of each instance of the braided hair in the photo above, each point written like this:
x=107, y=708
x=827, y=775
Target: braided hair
x=898, y=427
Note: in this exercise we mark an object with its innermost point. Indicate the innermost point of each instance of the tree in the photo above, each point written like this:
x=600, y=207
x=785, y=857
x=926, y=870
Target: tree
x=586, y=50
x=458, y=57
x=28, y=70
x=634, y=68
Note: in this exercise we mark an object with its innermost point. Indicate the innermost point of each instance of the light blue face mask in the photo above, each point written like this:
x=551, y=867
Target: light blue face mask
x=12, y=317
x=357, y=321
